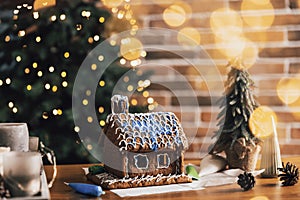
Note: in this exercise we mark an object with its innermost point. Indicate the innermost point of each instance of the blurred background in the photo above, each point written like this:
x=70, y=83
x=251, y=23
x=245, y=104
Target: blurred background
x=44, y=42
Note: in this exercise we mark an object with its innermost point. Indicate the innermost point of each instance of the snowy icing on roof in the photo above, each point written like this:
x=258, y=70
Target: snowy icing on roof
x=153, y=131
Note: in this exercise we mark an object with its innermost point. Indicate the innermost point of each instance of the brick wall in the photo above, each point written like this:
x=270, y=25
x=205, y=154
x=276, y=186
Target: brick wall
x=279, y=56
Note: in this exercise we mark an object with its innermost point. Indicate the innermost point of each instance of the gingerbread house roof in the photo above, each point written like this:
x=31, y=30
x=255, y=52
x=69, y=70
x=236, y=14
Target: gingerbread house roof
x=146, y=131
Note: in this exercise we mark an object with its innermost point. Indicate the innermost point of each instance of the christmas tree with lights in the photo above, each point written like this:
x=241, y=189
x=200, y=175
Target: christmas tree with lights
x=40, y=54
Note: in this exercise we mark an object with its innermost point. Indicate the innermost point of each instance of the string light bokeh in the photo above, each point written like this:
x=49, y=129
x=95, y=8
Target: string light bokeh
x=51, y=79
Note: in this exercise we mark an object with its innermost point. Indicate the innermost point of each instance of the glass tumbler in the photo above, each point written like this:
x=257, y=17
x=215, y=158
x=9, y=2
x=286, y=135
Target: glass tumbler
x=22, y=173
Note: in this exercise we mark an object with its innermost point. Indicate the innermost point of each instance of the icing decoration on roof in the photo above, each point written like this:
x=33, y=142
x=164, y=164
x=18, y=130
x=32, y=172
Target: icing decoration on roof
x=147, y=130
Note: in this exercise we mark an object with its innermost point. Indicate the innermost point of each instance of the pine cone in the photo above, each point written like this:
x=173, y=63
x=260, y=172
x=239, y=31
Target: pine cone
x=289, y=175
x=246, y=181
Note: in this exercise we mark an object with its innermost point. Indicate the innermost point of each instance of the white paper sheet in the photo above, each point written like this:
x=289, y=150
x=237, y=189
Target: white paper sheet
x=215, y=179
x=130, y=192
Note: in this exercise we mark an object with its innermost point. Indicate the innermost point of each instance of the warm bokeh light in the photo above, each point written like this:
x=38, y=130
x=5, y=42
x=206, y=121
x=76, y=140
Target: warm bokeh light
x=145, y=94
x=100, y=58
x=294, y=108
x=86, y=13
x=174, y=15
x=18, y=58
x=47, y=86
x=96, y=38
x=90, y=40
x=130, y=88
x=102, y=123
x=260, y=122
x=85, y=102
x=261, y=2
x=150, y=100
x=122, y=61
x=134, y=102
x=258, y=14
x=102, y=83
x=90, y=119
x=54, y=88
x=29, y=87
x=112, y=3
x=232, y=47
x=76, y=129
x=260, y=198
x=249, y=54
x=11, y=104
x=40, y=4
x=8, y=81
x=240, y=47
x=38, y=39
x=54, y=112
x=39, y=73
x=21, y=33
x=188, y=36
x=131, y=48
x=35, y=15
x=78, y=27
x=93, y=67
x=163, y=3
x=101, y=20
x=135, y=63
x=62, y=17
x=51, y=69
x=186, y=7
x=126, y=79
x=26, y=70
x=15, y=110
x=45, y=115
x=34, y=65
x=66, y=54
x=64, y=84
x=288, y=90
x=59, y=112
x=7, y=38
x=101, y=109
x=53, y=18
x=226, y=23
x=63, y=74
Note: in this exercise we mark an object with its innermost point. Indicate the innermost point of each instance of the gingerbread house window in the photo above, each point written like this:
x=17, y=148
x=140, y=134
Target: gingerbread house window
x=163, y=160
x=141, y=161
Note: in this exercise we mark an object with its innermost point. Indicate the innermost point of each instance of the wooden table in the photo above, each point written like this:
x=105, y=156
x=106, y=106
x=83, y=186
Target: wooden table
x=268, y=188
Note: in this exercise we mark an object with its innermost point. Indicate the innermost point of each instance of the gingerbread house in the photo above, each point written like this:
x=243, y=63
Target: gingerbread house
x=148, y=144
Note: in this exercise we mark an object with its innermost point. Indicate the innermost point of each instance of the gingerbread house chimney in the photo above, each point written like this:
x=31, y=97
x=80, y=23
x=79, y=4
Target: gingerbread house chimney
x=119, y=104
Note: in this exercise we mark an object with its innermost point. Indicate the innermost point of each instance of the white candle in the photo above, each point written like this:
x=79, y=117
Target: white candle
x=274, y=126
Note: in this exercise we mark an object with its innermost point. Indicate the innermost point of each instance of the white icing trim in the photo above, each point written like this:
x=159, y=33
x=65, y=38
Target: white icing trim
x=136, y=161
x=168, y=161
x=126, y=166
x=111, y=179
x=151, y=126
